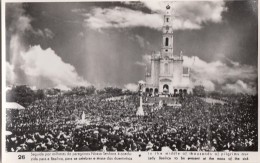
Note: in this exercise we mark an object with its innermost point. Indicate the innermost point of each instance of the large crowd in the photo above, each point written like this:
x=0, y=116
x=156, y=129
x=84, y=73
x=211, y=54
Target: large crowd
x=51, y=124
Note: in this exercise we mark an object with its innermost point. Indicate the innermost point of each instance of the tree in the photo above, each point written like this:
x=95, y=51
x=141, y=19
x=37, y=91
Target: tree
x=22, y=94
x=39, y=94
x=53, y=91
x=113, y=91
x=199, y=91
x=101, y=91
x=83, y=90
x=90, y=90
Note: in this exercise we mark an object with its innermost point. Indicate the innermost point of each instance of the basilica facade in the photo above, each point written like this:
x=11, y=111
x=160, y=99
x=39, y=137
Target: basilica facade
x=167, y=75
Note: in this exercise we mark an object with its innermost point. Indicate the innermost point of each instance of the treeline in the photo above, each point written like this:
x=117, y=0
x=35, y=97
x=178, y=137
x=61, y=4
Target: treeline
x=24, y=95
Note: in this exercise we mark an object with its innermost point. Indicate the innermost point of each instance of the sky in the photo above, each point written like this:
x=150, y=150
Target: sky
x=68, y=44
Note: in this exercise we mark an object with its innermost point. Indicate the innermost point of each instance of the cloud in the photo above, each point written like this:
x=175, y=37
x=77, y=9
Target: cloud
x=46, y=64
x=131, y=86
x=10, y=75
x=146, y=60
x=218, y=73
x=48, y=33
x=120, y=17
x=81, y=34
x=240, y=87
x=208, y=85
x=78, y=10
x=24, y=24
x=187, y=15
x=63, y=87
x=196, y=11
x=141, y=41
x=21, y=23
x=33, y=65
x=16, y=47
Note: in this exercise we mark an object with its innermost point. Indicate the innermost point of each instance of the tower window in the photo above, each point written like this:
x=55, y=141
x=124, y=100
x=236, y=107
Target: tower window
x=166, y=41
x=167, y=19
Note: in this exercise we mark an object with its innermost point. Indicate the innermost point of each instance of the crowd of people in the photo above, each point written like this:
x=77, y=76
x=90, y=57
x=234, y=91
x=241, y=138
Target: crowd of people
x=51, y=124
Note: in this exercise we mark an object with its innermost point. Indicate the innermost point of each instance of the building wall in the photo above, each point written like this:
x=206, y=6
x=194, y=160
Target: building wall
x=186, y=81
x=177, y=73
x=166, y=73
x=172, y=75
x=152, y=72
x=148, y=80
x=157, y=72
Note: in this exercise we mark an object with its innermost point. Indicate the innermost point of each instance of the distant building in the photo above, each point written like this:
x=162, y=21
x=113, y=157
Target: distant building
x=167, y=74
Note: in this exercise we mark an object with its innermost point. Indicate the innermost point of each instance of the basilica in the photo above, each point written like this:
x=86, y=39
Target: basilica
x=167, y=75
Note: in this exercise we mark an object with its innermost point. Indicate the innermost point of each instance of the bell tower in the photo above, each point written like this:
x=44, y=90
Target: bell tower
x=167, y=39
x=167, y=76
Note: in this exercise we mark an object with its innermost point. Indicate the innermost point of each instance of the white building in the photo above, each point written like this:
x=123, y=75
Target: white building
x=167, y=74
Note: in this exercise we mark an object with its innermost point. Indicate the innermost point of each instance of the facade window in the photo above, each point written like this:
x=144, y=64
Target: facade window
x=166, y=68
x=166, y=41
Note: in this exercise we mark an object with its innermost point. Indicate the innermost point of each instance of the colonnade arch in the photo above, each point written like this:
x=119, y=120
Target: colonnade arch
x=180, y=91
x=166, y=90
x=152, y=90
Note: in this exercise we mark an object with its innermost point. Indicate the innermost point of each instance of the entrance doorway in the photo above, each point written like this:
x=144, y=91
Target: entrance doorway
x=165, y=88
